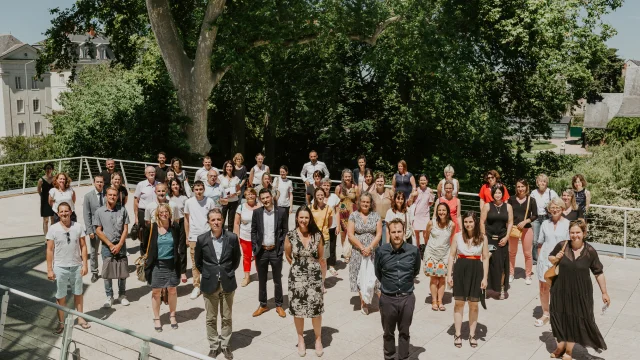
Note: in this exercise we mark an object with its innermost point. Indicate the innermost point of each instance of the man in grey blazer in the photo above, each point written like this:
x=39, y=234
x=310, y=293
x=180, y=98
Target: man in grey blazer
x=217, y=256
x=93, y=200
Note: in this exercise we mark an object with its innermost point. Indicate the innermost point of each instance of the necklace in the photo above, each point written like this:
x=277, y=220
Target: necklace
x=498, y=208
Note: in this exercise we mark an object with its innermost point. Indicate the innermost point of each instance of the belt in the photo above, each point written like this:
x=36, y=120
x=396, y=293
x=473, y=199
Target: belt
x=397, y=294
x=475, y=257
x=268, y=248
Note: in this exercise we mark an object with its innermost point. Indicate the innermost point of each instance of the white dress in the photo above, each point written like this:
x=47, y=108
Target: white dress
x=549, y=238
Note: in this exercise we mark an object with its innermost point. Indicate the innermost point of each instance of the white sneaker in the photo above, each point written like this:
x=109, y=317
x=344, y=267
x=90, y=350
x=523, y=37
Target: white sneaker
x=511, y=279
x=195, y=293
x=122, y=299
x=107, y=304
x=528, y=280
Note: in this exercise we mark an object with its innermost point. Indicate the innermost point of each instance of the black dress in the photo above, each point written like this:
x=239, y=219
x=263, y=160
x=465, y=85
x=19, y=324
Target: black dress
x=45, y=208
x=496, y=228
x=571, y=306
x=574, y=215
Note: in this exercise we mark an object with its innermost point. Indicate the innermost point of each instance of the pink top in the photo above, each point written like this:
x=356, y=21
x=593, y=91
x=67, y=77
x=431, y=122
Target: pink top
x=421, y=210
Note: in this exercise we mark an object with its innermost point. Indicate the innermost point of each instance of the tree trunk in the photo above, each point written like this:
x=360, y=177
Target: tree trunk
x=196, y=109
x=269, y=139
x=239, y=123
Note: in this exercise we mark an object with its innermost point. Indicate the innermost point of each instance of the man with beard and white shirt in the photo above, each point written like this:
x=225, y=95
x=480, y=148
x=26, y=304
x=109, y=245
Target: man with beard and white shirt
x=312, y=166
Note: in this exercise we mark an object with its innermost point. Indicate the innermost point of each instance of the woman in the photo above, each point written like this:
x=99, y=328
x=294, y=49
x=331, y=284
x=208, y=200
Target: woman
x=240, y=171
x=400, y=211
x=367, y=184
x=583, y=196
x=242, y=228
x=448, y=175
x=123, y=193
x=332, y=200
x=347, y=191
x=543, y=196
x=230, y=186
x=553, y=231
x=169, y=175
x=404, y=182
x=496, y=221
x=44, y=186
x=571, y=212
x=455, y=206
x=163, y=265
x=491, y=178
x=359, y=173
x=255, y=175
x=423, y=202
x=382, y=198
x=317, y=182
x=177, y=199
x=305, y=253
x=284, y=188
x=525, y=211
x=572, y=320
x=323, y=217
x=365, y=232
x=470, y=251
x=266, y=184
x=181, y=174
x=62, y=192
x=436, y=255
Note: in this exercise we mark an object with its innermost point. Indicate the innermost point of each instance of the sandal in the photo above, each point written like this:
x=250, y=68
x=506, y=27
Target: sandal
x=157, y=328
x=333, y=271
x=434, y=306
x=441, y=307
x=542, y=321
x=455, y=341
x=473, y=344
x=174, y=326
x=555, y=355
x=60, y=329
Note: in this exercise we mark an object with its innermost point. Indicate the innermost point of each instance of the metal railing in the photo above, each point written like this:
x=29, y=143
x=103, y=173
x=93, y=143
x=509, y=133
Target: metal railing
x=144, y=351
x=614, y=225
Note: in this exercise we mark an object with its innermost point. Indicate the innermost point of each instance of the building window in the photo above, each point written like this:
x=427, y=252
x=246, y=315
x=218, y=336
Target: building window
x=36, y=106
x=20, y=106
x=18, y=83
x=22, y=130
x=34, y=84
x=37, y=128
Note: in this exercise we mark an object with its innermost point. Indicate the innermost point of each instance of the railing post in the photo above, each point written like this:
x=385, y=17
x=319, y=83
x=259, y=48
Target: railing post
x=624, y=250
x=80, y=171
x=3, y=315
x=24, y=179
x=60, y=166
x=66, y=336
x=99, y=167
x=126, y=183
x=145, y=350
x=86, y=162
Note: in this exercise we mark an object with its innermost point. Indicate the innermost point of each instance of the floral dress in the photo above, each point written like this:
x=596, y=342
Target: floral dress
x=305, y=278
x=347, y=206
x=365, y=233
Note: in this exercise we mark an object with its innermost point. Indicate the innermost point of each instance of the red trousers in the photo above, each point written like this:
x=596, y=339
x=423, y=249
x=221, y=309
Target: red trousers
x=247, y=254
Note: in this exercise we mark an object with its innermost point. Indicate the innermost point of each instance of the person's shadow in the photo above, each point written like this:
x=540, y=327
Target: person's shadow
x=243, y=338
x=579, y=352
x=481, y=331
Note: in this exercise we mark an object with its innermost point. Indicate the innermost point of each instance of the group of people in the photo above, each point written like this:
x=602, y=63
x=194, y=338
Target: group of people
x=380, y=230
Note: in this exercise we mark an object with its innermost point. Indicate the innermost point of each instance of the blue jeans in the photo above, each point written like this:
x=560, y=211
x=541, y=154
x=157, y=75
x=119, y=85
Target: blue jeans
x=536, y=232
x=108, y=284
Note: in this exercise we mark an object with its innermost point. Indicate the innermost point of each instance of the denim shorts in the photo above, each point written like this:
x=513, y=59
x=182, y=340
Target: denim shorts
x=66, y=276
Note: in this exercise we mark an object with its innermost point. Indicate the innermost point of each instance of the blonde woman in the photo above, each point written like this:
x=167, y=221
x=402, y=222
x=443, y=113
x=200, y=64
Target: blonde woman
x=572, y=211
x=62, y=192
x=448, y=176
x=542, y=196
x=255, y=175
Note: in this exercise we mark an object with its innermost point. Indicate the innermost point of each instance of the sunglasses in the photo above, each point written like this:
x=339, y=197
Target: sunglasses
x=68, y=238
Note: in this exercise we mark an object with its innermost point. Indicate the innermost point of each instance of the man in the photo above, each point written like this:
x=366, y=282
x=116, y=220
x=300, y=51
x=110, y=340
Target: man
x=195, y=224
x=92, y=201
x=67, y=261
x=106, y=174
x=397, y=263
x=268, y=230
x=212, y=189
x=112, y=227
x=309, y=168
x=161, y=198
x=217, y=256
x=202, y=173
x=144, y=196
x=161, y=169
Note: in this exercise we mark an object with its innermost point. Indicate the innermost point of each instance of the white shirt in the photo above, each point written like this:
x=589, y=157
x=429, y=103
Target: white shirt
x=308, y=169
x=332, y=202
x=268, y=219
x=407, y=218
x=145, y=193
x=246, y=215
x=197, y=211
x=201, y=175
x=258, y=172
x=152, y=209
x=228, y=187
x=542, y=200
x=285, y=187
x=66, y=250
x=62, y=196
x=179, y=201
x=214, y=193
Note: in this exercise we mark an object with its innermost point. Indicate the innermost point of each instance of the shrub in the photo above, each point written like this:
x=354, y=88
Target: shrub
x=622, y=130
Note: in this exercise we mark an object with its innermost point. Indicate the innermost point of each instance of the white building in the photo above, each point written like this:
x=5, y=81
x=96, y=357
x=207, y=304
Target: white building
x=24, y=101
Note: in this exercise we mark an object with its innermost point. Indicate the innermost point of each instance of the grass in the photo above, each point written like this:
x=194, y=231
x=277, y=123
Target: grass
x=542, y=145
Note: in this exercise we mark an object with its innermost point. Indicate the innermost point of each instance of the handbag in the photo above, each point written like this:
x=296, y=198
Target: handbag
x=142, y=260
x=346, y=249
x=552, y=273
x=367, y=279
x=515, y=232
x=115, y=267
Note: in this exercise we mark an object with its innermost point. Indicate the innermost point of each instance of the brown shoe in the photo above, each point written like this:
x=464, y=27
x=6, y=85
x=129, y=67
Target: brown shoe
x=261, y=310
x=281, y=312
x=245, y=282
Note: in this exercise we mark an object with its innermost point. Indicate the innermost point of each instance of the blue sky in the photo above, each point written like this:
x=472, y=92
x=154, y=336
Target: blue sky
x=28, y=19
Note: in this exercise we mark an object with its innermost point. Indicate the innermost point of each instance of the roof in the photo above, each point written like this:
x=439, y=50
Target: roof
x=630, y=107
x=98, y=40
x=637, y=62
x=9, y=43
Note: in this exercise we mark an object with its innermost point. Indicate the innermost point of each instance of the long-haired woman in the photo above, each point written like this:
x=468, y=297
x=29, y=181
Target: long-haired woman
x=123, y=193
x=572, y=211
x=404, y=182
x=177, y=199
x=45, y=184
x=525, y=212
x=242, y=228
x=367, y=183
x=400, y=210
x=230, y=186
x=583, y=196
x=255, y=175
x=323, y=217
x=62, y=192
x=423, y=202
x=455, y=206
x=348, y=192
x=436, y=255
x=181, y=174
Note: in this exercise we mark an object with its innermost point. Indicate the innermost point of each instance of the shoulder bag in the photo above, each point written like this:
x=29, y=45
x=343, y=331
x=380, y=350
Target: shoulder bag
x=551, y=274
x=142, y=260
x=515, y=232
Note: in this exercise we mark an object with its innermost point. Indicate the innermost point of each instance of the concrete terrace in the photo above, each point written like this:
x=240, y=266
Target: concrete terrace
x=506, y=329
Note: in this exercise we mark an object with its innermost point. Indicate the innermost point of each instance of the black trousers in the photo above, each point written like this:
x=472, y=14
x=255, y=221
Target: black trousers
x=229, y=213
x=396, y=311
x=182, y=247
x=143, y=234
x=333, y=238
x=262, y=263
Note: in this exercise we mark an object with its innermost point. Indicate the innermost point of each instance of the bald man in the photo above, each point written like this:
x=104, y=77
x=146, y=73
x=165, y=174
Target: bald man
x=144, y=196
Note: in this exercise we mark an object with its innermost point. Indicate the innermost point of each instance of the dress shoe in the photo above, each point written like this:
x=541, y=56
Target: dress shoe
x=214, y=353
x=227, y=353
x=94, y=278
x=281, y=312
x=261, y=310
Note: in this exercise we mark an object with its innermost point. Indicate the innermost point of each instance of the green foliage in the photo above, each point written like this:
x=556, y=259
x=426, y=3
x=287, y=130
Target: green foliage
x=622, y=130
x=594, y=137
x=19, y=149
